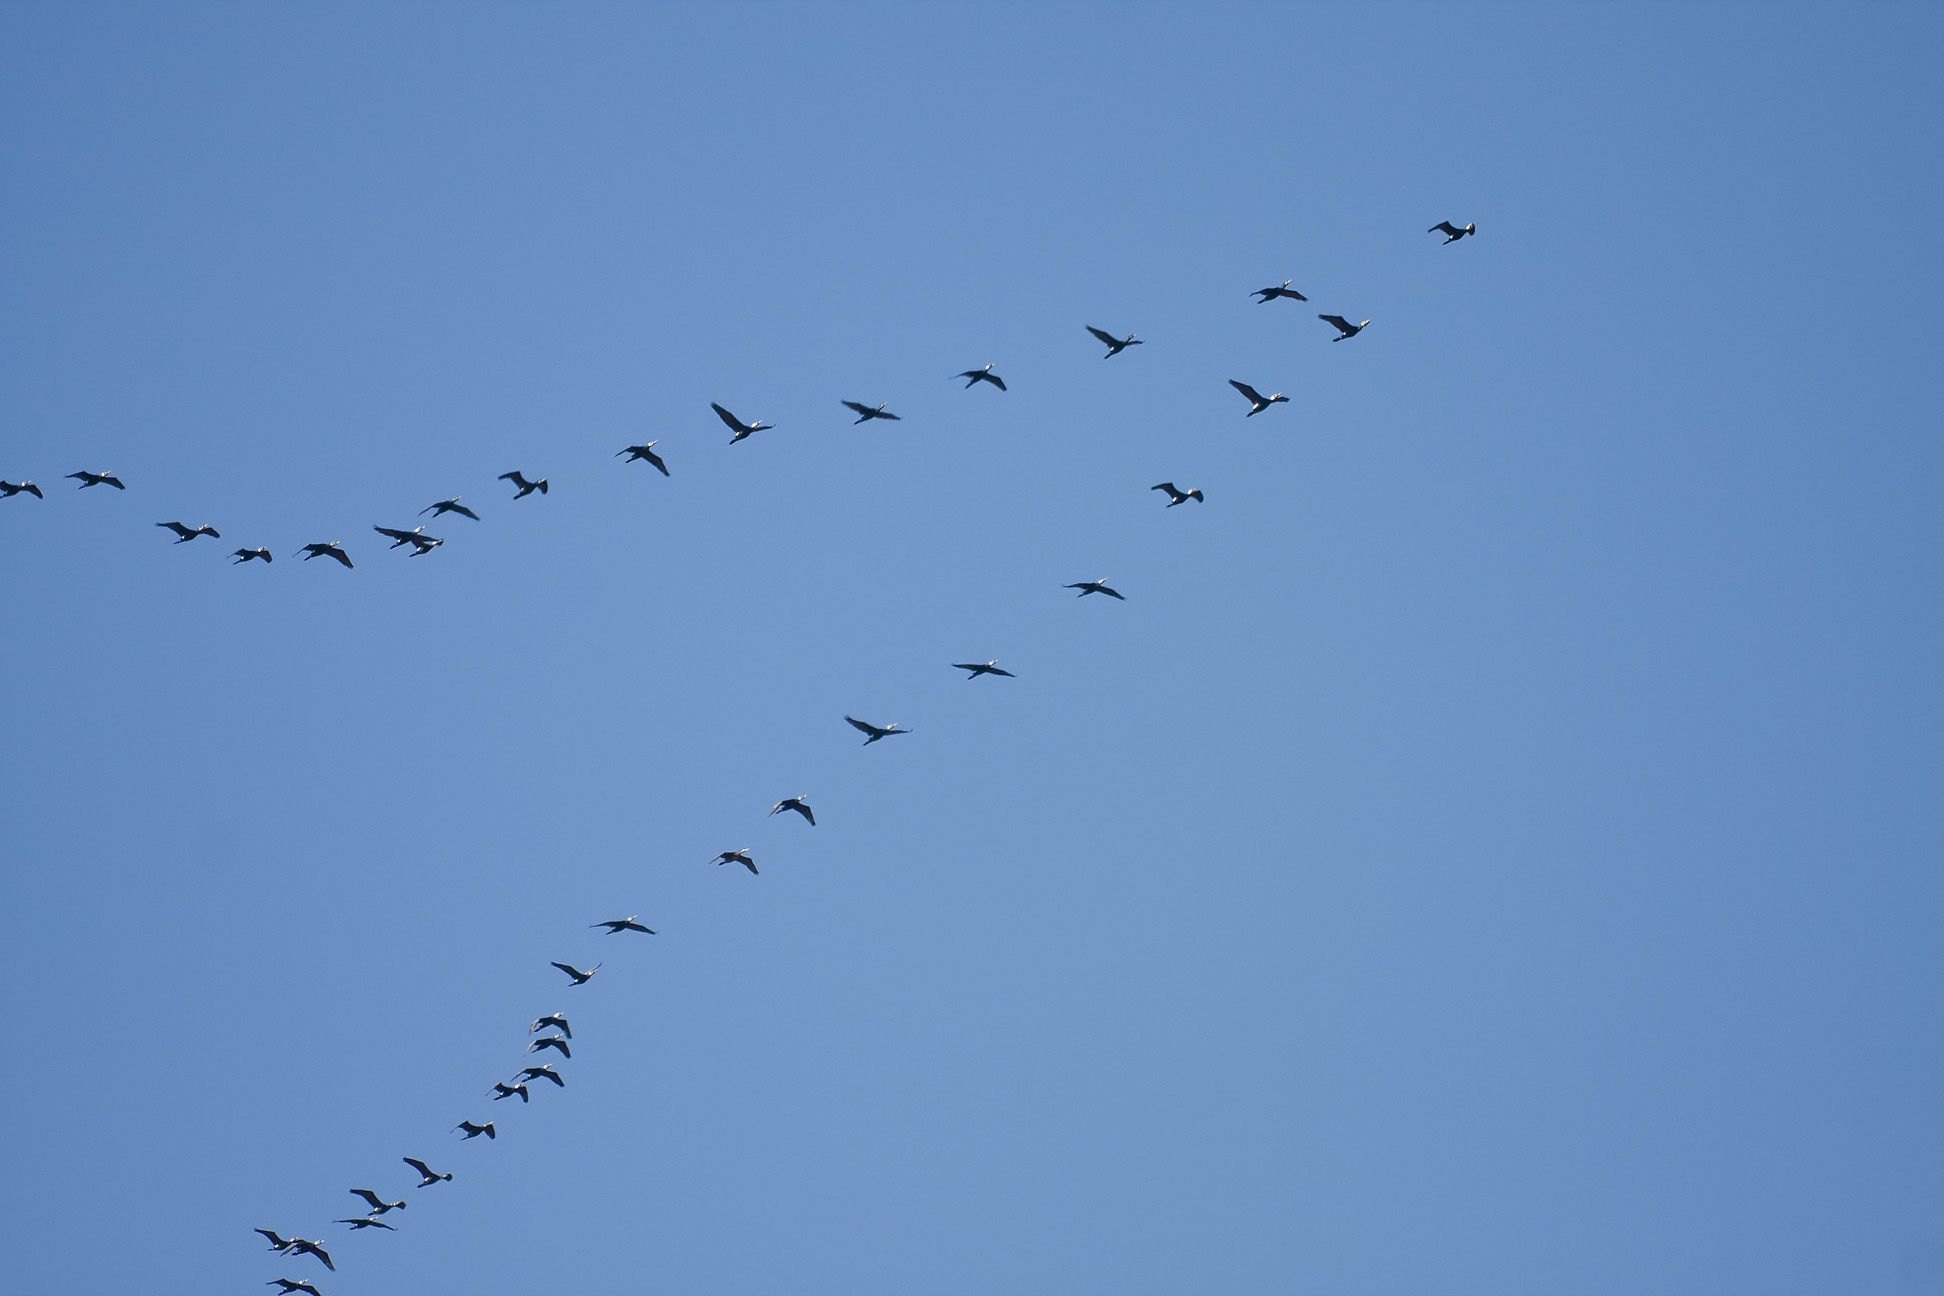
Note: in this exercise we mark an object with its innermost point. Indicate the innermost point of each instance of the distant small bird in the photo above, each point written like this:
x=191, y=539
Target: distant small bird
x=615, y=926
x=797, y=804
x=865, y=413
x=579, y=977
x=10, y=489
x=507, y=1091
x=330, y=550
x=1451, y=232
x=1097, y=587
x=1175, y=496
x=526, y=487
x=378, y=1205
x=1345, y=329
x=474, y=1131
x=289, y=1285
x=646, y=452
x=1264, y=296
x=1257, y=401
x=185, y=534
x=1114, y=345
x=427, y=1175
x=982, y=668
x=553, y=1042
x=452, y=505
x=88, y=479
x=365, y=1222
x=421, y=543
x=277, y=1241
x=973, y=377
x=552, y=1021
x=245, y=555
x=875, y=731
x=542, y=1073
x=737, y=857
x=304, y=1246
x=736, y=425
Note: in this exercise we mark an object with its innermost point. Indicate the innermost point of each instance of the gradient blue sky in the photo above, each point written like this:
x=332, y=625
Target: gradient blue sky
x=1494, y=848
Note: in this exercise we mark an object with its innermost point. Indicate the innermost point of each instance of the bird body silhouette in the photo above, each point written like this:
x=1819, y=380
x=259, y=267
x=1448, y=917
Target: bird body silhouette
x=330, y=550
x=1257, y=401
x=736, y=425
x=1451, y=232
x=526, y=487
x=644, y=453
x=982, y=668
x=1345, y=329
x=1175, y=496
x=797, y=804
x=1114, y=345
x=873, y=732
x=973, y=377
x=1264, y=296
x=1097, y=587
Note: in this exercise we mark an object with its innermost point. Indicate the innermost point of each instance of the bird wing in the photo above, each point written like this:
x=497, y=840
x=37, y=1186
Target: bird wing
x=1112, y=592
x=420, y=1166
x=858, y=408
x=860, y=725
x=369, y=1196
x=996, y=381
x=462, y=510
x=1336, y=321
x=570, y=971
x=513, y=477
x=1443, y=226
x=1160, y=486
x=728, y=418
x=1104, y=336
x=394, y=533
x=1255, y=397
x=340, y=555
x=656, y=460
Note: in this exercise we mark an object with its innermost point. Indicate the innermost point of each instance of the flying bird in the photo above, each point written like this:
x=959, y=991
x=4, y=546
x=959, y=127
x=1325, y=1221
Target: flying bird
x=554, y=1042
x=1114, y=345
x=508, y=1090
x=1175, y=496
x=365, y=1222
x=1345, y=329
x=865, y=413
x=797, y=804
x=736, y=425
x=542, y=1073
x=245, y=555
x=973, y=377
x=88, y=479
x=289, y=1285
x=875, y=731
x=1097, y=587
x=1257, y=401
x=982, y=668
x=330, y=550
x=474, y=1131
x=615, y=926
x=185, y=534
x=452, y=505
x=737, y=857
x=427, y=1175
x=1451, y=232
x=646, y=452
x=378, y=1205
x=552, y=1020
x=1264, y=296
x=579, y=977
x=526, y=487
x=421, y=543
x=277, y=1241
x=304, y=1246
x=10, y=489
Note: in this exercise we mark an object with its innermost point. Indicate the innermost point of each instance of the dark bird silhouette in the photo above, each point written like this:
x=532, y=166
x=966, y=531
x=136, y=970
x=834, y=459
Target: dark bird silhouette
x=10, y=489
x=185, y=534
x=646, y=452
x=1175, y=496
x=736, y=425
x=304, y=1246
x=365, y=1222
x=579, y=977
x=741, y=857
x=330, y=550
x=526, y=487
x=245, y=555
x=542, y=1073
x=452, y=505
x=615, y=926
x=378, y=1205
x=982, y=668
x=289, y=1285
x=1257, y=401
x=507, y=1091
x=554, y=1042
x=1114, y=345
x=427, y=1175
x=865, y=413
x=973, y=377
x=421, y=543
x=1451, y=232
x=875, y=731
x=474, y=1131
x=1345, y=329
x=797, y=804
x=277, y=1241
x=1264, y=296
x=1097, y=587
x=553, y=1021
x=88, y=479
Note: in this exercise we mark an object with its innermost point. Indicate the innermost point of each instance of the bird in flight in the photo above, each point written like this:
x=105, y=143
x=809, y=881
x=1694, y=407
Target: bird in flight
x=1175, y=496
x=615, y=926
x=579, y=977
x=421, y=543
x=474, y=1131
x=554, y=1042
x=1114, y=345
x=797, y=804
x=526, y=487
x=304, y=1246
x=736, y=425
x=973, y=377
x=865, y=413
x=646, y=452
x=378, y=1205
x=427, y=1175
x=1097, y=587
x=542, y=1073
x=452, y=505
x=88, y=479
x=982, y=668
x=277, y=1241
x=289, y=1285
x=875, y=732
x=1257, y=401
x=553, y=1021
x=508, y=1090
x=1264, y=296
x=10, y=489
x=245, y=555
x=1345, y=329
x=741, y=857
x=330, y=550
x=365, y=1222
x=1451, y=232
x=185, y=534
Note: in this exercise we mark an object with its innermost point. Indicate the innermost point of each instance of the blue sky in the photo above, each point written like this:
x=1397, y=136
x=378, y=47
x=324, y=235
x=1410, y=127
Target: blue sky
x=1493, y=847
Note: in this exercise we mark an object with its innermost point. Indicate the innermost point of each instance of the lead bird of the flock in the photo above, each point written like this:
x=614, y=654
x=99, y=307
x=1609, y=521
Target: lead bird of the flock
x=474, y=1131
x=1264, y=296
x=542, y=1073
x=88, y=479
x=1114, y=345
x=421, y=543
x=376, y=1205
x=576, y=975
x=452, y=505
x=1451, y=232
x=526, y=487
x=644, y=453
x=10, y=489
x=1097, y=587
x=289, y=1285
x=973, y=377
x=982, y=668
x=331, y=550
x=615, y=926
x=865, y=413
x=184, y=534
x=552, y=1021
x=736, y=425
x=365, y=1222
x=427, y=1175
x=1257, y=401
x=245, y=555
x=1175, y=496
x=741, y=857
x=873, y=732
x=797, y=804
x=1345, y=329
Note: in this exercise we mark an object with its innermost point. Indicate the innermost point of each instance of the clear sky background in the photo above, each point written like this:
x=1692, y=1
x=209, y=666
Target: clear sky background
x=1494, y=847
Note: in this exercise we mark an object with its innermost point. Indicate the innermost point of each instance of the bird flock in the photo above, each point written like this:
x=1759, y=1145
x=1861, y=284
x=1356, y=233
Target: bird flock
x=559, y=1034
